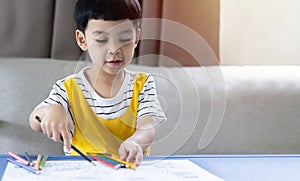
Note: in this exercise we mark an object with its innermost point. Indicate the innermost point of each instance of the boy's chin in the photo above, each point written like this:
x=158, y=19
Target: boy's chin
x=113, y=71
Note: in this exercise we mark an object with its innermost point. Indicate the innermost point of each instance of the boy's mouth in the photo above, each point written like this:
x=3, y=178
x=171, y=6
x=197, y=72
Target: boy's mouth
x=114, y=62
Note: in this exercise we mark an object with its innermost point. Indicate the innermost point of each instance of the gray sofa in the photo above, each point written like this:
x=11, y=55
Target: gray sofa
x=210, y=110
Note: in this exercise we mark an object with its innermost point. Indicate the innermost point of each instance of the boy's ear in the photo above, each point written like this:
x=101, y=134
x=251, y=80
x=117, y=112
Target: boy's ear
x=138, y=36
x=80, y=39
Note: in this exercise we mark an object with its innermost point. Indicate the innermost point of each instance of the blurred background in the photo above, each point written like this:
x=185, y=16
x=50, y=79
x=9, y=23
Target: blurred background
x=248, y=32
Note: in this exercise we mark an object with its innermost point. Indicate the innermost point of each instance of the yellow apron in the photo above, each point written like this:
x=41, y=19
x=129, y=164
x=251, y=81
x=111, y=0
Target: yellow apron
x=93, y=134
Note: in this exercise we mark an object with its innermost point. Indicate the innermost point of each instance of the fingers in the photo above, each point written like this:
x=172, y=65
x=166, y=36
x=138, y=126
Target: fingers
x=130, y=151
x=57, y=130
x=139, y=158
x=46, y=129
x=66, y=139
x=55, y=136
x=122, y=153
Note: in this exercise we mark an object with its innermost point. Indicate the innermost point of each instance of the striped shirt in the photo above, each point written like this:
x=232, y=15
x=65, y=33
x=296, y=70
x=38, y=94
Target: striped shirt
x=109, y=108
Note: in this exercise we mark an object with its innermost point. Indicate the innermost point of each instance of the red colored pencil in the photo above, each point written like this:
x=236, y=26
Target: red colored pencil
x=106, y=163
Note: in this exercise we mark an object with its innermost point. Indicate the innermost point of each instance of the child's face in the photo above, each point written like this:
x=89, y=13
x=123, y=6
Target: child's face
x=110, y=44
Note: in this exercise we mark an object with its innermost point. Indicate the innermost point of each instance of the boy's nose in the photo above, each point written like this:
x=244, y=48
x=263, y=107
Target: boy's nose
x=114, y=48
x=115, y=52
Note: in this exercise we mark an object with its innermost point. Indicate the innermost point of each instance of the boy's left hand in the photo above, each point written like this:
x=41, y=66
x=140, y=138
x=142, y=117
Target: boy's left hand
x=130, y=151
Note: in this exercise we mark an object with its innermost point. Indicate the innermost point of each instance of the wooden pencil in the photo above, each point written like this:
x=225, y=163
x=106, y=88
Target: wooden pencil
x=38, y=162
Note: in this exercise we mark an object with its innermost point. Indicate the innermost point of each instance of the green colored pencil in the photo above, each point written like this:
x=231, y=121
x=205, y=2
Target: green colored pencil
x=43, y=161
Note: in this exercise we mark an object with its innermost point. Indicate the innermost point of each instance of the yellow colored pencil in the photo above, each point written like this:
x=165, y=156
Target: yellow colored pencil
x=130, y=165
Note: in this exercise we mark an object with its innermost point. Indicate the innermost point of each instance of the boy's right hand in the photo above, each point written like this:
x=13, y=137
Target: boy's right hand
x=55, y=123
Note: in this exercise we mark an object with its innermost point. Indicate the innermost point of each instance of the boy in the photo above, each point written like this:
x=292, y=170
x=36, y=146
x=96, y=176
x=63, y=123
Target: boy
x=107, y=108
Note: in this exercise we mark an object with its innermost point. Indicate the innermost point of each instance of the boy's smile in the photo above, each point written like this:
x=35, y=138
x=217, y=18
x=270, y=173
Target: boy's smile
x=114, y=62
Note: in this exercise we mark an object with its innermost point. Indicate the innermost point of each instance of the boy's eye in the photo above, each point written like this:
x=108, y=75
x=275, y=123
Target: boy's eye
x=102, y=41
x=125, y=40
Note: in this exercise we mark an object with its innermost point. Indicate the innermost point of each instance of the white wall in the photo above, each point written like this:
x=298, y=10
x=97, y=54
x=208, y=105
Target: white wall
x=260, y=32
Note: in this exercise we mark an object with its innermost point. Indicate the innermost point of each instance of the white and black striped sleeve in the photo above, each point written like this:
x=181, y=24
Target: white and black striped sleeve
x=58, y=96
x=149, y=102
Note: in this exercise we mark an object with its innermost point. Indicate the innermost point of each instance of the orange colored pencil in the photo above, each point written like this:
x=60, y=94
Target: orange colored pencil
x=38, y=162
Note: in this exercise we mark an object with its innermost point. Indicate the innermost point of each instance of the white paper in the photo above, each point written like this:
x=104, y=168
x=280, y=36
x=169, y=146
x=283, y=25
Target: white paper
x=83, y=170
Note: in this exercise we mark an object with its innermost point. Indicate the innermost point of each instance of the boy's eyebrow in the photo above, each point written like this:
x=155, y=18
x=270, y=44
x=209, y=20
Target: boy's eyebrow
x=126, y=31
x=98, y=32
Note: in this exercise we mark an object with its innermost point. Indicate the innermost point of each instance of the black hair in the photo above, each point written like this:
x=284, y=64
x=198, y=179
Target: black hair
x=110, y=10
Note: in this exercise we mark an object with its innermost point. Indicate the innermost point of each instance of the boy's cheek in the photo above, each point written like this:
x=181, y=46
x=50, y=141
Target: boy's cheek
x=97, y=57
x=97, y=50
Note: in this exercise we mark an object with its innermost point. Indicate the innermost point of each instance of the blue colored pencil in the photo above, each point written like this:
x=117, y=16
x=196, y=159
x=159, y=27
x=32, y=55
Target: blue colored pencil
x=28, y=168
x=29, y=159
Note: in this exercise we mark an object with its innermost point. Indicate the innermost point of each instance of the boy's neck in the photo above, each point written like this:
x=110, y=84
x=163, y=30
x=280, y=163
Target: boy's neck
x=104, y=83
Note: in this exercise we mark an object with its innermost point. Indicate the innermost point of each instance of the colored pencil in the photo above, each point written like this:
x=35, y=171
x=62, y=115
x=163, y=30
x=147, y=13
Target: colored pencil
x=106, y=163
x=43, y=161
x=81, y=154
x=72, y=146
x=127, y=164
x=29, y=159
x=21, y=165
x=120, y=165
x=38, y=162
x=21, y=160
